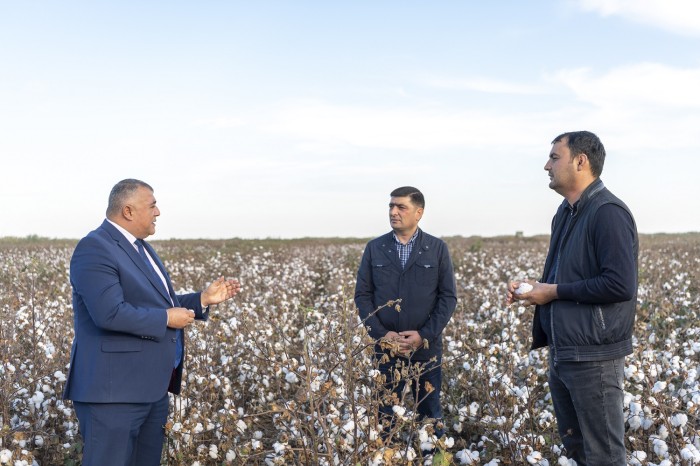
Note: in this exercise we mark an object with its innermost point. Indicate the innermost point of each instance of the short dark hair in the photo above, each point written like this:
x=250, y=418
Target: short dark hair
x=121, y=192
x=413, y=193
x=585, y=142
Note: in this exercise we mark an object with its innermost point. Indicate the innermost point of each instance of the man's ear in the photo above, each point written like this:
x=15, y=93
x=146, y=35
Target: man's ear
x=127, y=212
x=581, y=161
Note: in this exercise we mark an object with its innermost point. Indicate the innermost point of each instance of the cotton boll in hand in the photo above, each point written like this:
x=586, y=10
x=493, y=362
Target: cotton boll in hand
x=523, y=288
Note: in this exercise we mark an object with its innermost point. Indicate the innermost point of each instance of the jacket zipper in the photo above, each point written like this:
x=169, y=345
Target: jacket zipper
x=556, y=280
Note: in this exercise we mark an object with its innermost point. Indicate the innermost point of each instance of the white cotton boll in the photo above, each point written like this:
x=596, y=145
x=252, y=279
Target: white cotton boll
x=257, y=434
x=635, y=422
x=679, y=420
x=213, y=451
x=373, y=435
x=493, y=463
x=291, y=377
x=5, y=456
x=658, y=387
x=523, y=288
x=690, y=453
x=241, y=426
x=467, y=457
x=349, y=426
x=660, y=448
x=637, y=458
x=279, y=447
x=399, y=410
x=199, y=428
x=59, y=376
x=230, y=455
x=534, y=458
x=473, y=409
x=662, y=432
x=38, y=440
x=423, y=435
x=256, y=444
x=176, y=427
x=450, y=442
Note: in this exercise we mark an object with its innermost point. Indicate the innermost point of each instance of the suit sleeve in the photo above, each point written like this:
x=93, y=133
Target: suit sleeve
x=193, y=301
x=364, y=293
x=613, y=238
x=446, y=298
x=96, y=280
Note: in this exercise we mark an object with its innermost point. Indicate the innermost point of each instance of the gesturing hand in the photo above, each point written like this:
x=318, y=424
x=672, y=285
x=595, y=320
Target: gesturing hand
x=220, y=290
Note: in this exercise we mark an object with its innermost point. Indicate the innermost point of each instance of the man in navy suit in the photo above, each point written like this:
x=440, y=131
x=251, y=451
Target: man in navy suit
x=128, y=350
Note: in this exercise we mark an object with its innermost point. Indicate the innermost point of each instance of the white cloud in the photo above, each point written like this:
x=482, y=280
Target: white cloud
x=410, y=128
x=635, y=86
x=678, y=16
x=487, y=85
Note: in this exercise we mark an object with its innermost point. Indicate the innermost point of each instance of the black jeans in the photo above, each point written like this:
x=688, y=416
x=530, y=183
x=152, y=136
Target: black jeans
x=588, y=403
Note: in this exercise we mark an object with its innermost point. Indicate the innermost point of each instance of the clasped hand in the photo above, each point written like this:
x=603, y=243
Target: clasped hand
x=408, y=341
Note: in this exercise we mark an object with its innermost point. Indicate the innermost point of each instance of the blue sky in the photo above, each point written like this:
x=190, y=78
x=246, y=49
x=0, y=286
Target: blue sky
x=289, y=119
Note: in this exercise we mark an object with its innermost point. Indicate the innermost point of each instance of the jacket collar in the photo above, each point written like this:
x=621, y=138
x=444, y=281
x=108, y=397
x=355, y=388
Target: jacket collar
x=388, y=247
x=590, y=192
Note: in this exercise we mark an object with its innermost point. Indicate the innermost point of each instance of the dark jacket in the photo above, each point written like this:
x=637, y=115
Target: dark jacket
x=426, y=287
x=593, y=318
x=123, y=351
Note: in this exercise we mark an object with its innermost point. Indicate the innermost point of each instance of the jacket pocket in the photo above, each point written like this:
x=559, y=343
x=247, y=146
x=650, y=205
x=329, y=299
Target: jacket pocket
x=121, y=346
x=380, y=272
x=426, y=273
x=599, y=317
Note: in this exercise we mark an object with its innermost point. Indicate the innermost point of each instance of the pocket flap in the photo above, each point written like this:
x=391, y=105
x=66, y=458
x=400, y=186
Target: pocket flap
x=121, y=346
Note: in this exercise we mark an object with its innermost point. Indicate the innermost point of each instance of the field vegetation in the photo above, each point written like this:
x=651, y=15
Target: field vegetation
x=283, y=373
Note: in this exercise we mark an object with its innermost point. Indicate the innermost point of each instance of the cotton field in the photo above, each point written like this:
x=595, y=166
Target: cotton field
x=282, y=374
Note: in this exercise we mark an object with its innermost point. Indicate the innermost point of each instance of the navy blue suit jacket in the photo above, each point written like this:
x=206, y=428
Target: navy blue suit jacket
x=123, y=351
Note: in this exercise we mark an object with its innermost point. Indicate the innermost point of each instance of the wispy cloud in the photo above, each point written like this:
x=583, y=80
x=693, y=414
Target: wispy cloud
x=678, y=16
x=410, y=128
x=635, y=86
x=482, y=84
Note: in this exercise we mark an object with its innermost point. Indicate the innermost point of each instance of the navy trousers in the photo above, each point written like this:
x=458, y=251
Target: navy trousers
x=122, y=434
x=428, y=402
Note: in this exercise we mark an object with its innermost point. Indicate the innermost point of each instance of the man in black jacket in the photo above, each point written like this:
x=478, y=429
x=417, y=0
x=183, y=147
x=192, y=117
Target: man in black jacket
x=414, y=267
x=586, y=302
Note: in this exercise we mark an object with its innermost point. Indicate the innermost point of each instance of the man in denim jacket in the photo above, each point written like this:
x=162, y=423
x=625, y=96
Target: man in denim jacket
x=414, y=267
x=586, y=302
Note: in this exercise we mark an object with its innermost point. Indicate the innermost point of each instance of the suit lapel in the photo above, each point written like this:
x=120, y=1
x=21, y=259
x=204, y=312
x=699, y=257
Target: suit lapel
x=161, y=267
x=130, y=251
